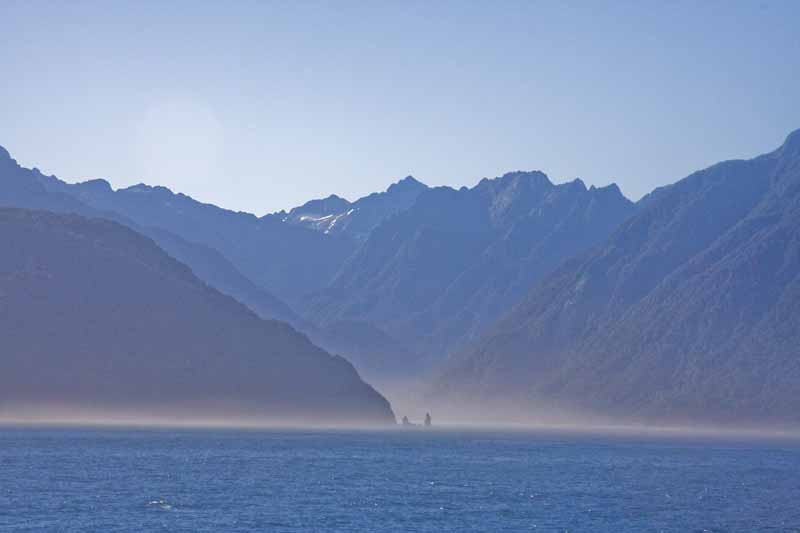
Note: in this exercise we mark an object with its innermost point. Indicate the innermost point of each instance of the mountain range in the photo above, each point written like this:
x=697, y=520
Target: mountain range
x=689, y=311
x=446, y=267
x=285, y=260
x=277, y=251
x=517, y=292
x=401, y=278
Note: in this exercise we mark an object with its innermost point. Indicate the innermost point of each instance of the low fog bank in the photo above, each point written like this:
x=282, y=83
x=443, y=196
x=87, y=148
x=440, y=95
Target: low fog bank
x=188, y=417
x=407, y=400
x=414, y=399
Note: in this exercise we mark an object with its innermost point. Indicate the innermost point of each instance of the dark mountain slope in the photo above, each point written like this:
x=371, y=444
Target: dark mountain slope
x=93, y=314
x=378, y=357
x=445, y=268
x=213, y=268
x=688, y=312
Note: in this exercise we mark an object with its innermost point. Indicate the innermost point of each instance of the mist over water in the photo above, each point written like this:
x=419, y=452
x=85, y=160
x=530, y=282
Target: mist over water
x=413, y=398
x=53, y=415
x=407, y=400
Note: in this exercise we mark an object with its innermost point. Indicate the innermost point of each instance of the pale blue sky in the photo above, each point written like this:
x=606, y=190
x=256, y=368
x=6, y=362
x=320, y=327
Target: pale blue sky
x=261, y=105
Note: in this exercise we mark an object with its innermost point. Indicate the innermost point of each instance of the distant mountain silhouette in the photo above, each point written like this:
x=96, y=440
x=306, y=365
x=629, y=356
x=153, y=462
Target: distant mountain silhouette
x=92, y=314
x=335, y=215
x=437, y=273
x=215, y=269
x=689, y=311
x=283, y=259
x=29, y=188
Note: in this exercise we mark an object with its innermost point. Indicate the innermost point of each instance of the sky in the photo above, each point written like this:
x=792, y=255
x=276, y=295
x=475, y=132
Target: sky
x=260, y=106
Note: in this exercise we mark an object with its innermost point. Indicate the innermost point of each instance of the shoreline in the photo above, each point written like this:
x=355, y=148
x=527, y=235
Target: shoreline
x=611, y=432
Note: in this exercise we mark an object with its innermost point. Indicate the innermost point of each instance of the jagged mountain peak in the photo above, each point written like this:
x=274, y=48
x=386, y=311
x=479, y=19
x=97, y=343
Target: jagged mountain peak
x=145, y=188
x=516, y=178
x=333, y=204
x=611, y=189
x=409, y=183
x=534, y=176
x=336, y=215
x=97, y=184
x=578, y=183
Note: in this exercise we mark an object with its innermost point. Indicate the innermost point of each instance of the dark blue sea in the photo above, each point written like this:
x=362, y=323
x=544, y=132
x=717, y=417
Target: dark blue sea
x=302, y=481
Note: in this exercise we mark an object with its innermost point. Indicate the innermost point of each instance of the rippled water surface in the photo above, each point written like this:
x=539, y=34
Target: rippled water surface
x=299, y=481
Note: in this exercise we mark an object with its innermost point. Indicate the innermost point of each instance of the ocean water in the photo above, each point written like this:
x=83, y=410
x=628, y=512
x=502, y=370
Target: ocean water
x=302, y=481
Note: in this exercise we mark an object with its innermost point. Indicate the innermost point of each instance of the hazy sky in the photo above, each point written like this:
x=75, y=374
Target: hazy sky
x=261, y=105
